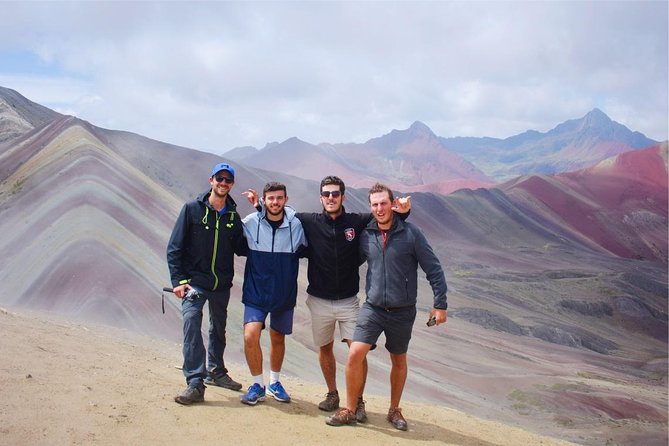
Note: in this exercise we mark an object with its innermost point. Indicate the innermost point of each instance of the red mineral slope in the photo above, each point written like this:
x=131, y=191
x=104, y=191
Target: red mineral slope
x=618, y=205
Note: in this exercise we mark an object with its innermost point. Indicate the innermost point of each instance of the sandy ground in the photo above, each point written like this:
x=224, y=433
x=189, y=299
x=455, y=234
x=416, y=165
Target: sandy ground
x=67, y=383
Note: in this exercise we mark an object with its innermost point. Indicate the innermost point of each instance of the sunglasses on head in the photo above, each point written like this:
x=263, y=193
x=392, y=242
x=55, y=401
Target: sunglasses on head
x=220, y=179
x=327, y=193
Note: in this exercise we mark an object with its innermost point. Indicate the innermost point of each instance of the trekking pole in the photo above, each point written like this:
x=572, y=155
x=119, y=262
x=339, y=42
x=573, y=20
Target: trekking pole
x=191, y=295
x=168, y=290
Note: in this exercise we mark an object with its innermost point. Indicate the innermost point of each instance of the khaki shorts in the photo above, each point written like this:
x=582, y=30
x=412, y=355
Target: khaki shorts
x=326, y=313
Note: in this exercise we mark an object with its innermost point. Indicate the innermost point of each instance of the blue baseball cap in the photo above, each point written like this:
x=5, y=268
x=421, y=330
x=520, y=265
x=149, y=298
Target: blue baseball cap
x=223, y=166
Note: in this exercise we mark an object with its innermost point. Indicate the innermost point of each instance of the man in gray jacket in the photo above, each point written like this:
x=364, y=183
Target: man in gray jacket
x=393, y=250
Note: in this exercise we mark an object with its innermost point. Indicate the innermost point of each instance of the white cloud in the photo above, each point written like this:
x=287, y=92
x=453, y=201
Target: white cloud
x=45, y=89
x=215, y=75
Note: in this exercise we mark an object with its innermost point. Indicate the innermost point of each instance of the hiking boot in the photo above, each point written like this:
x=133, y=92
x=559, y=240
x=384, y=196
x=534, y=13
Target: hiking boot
x=360, y=413
x=190, y=395
x=396, y=419
x=223, y=381
x=331, y=402
x=278, y=392
x=341, y=418
x=255, y=393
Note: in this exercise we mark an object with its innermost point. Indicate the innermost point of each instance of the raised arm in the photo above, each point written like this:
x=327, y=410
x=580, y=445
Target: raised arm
x=252, y=196
x=402, y=205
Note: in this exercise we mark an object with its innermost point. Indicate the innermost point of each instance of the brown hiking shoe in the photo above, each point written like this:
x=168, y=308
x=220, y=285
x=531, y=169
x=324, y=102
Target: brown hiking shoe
x=342, y=417
x=190, y=395
x=331, y=401
x=396, y=419
x=360, y=413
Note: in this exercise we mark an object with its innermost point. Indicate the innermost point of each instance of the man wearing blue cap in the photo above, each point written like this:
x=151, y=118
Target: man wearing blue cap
x=206, y=235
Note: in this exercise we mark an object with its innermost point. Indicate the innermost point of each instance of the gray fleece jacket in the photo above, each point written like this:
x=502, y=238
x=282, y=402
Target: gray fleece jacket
x=392, y=272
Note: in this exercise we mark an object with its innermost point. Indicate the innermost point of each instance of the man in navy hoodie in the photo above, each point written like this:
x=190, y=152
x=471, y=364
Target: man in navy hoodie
x=276, y=241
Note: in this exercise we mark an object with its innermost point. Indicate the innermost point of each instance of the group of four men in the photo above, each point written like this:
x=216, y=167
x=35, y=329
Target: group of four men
x=209, y=232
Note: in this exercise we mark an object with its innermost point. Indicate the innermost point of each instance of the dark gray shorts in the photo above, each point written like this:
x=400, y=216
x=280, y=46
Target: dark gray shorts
x=396, y=325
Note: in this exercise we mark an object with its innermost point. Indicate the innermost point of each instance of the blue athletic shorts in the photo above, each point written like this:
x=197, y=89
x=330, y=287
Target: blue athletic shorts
x=396, y=325
x=281, y=321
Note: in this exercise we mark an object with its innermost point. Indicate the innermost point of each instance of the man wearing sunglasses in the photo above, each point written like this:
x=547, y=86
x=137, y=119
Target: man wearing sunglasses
x=333, y=276
x=206, y=235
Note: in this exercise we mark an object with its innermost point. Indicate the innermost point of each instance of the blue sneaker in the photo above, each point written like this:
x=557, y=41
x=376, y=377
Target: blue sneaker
x=278, y=392
x=255, y=393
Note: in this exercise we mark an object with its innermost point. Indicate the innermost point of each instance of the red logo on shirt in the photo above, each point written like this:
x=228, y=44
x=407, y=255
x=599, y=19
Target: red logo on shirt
x=349, y=234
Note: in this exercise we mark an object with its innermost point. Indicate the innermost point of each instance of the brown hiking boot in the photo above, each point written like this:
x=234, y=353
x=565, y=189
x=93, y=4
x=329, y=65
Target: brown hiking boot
x=331, y=401
x=396, y=419
x=360, y=413
x=342, y=417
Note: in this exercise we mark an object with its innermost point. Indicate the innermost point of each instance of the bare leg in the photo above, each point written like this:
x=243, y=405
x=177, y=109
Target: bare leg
x=355, y=373
x=252, y=348
x=277, y=350
x=328, y=363
x=364, y=369
x=398, y=377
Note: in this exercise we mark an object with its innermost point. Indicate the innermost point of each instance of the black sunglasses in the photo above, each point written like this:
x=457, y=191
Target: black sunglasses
x=327, y=193
x=227, y=180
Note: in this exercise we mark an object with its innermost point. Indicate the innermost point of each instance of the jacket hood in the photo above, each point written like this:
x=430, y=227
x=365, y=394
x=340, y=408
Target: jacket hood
x=289, y=212
x=230, y=203
x=398, y=223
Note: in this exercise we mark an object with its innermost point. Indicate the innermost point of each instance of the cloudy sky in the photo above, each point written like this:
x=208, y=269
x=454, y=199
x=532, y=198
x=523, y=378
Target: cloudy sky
x=218, y=75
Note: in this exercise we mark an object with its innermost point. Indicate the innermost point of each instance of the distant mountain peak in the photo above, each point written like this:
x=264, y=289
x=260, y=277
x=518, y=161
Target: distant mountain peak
x=293, y=140
x=239, y=153
x=596, y=117
x=396, y=138
x=420, y=130
x=595, y=120
x=419, y=127
x=19, y=114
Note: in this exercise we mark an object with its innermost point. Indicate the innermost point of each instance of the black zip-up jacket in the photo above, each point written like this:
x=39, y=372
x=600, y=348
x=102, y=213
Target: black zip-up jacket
x=333, y=252
x=203, y=243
